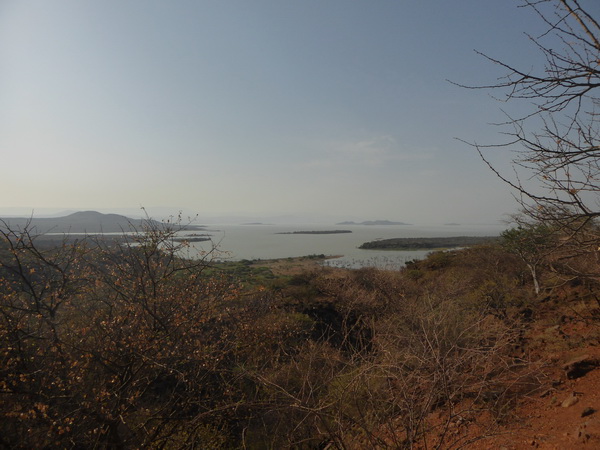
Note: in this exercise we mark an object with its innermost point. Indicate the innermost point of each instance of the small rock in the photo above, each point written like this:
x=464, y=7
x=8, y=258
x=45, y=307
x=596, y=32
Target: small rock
x=581, y=433
x=569, y=401
x=588, y=411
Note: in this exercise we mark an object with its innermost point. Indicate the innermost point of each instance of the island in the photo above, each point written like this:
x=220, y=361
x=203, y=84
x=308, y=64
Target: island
x=316, y=232
x=373, y=222
x=193, y=238
x=424, y=243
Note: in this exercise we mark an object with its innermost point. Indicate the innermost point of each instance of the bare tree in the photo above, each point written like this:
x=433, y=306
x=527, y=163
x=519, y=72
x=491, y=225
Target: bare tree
x=557, y=142
x=532, y=243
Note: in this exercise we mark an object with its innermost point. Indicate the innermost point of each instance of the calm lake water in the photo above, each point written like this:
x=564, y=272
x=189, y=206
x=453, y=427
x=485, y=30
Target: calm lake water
x=236, y=242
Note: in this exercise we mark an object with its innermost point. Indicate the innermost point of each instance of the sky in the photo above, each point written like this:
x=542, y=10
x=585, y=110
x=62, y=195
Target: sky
x=305, y=109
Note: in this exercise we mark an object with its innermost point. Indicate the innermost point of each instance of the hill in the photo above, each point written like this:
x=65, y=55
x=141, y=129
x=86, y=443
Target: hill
x=79, y=222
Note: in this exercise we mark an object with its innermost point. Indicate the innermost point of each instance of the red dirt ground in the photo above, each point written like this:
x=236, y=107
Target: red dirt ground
x=564, y=413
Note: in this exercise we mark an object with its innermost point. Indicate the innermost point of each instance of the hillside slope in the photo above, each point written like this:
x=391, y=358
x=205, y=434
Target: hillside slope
x=79, y=222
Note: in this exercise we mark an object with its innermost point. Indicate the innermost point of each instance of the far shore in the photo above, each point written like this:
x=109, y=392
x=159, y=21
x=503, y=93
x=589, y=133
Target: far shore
x=316, y=232
x=434, y=243
x=293, y=265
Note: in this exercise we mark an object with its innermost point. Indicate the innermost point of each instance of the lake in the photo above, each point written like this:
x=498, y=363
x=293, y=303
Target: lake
x=236, y=242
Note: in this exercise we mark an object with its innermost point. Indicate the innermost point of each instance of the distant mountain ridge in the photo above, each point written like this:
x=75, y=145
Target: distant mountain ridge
x=373, y=222
x=79, y=222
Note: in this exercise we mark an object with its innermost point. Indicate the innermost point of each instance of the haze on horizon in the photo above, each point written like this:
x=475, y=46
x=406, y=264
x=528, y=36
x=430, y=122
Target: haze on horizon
x=337, y=109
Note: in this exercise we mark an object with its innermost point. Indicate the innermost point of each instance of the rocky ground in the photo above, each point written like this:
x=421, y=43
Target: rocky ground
x=564, y=413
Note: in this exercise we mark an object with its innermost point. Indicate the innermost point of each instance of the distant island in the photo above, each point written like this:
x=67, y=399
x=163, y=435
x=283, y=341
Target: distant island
x=257, y=223
x=317, y=232
x=426, y=243
x=373, y=222
x=192, y=239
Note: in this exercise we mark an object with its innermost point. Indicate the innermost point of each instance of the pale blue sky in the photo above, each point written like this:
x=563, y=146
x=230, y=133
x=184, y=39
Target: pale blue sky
x=332, y=109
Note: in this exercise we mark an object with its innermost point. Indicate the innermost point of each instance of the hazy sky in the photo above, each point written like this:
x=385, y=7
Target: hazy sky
x=336, y=108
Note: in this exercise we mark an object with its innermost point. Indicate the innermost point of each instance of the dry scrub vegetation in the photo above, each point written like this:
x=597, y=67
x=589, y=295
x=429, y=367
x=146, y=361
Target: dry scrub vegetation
x=128, y=344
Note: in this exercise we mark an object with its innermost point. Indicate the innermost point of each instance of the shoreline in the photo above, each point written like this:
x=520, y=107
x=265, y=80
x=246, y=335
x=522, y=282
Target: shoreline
x=317, y=232
x=422, y=243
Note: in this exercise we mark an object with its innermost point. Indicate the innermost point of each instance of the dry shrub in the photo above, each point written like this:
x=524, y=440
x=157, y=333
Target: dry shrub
x=130, y=345
x=438, y=346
